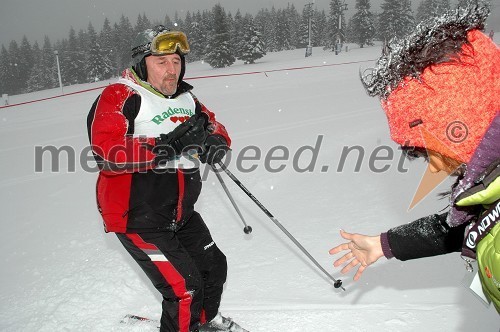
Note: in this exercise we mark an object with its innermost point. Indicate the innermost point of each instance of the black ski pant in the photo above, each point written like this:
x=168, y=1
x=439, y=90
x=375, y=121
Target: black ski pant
x=186, y=267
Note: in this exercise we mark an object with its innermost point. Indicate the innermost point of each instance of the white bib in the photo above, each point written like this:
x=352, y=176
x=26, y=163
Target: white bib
x=158, y=115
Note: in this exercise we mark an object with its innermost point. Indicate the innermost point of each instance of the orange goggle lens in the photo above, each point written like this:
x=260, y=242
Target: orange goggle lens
x=169, y=42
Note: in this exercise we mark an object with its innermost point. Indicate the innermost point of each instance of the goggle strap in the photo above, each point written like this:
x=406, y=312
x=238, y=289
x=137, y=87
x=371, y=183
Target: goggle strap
x=141, y=49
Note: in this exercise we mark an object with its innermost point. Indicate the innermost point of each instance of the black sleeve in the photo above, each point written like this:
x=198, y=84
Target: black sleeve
x=130, y=110
x=425, y=237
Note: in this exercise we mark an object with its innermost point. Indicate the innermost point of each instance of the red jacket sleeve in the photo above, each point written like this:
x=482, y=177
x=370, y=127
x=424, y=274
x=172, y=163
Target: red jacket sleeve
x=116, y=150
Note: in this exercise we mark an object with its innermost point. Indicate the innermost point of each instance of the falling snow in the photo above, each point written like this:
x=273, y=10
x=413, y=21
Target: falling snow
x=61, y=272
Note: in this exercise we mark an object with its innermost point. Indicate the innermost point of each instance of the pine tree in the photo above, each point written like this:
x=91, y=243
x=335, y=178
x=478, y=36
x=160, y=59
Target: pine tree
x=427, y=9
x=44, y=72
x=396, y=19
x=293, y=19
x=207, y=20
x=238, y=37
x=72, y=59
x=142, y=24
x=272, y=41
x=167, y=22
x=83, y=45
x=388, y=19
x=432, y=8
x=37, y=58
x=117, y=50
x=406, y=19
x=197, y=38
x=188, y=24
x=146, y=22
x=218, y=52
x=336, y=30
x=178, y=23
x=4, y=71
x=14, y=69
x=108, y=48
x=230, y=25
x=206, y=25
x=282, y=30
x=188, y=30
x=125, y=35
x=25, y=63
x=362, y=28
x=303, y=34
x=252, y=48
x=264, y=24
x=319, y=28
x=97, y=64
x=349, y=32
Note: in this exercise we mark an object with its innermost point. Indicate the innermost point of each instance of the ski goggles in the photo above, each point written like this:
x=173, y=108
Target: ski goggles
x=169, y=42
x=166, y=42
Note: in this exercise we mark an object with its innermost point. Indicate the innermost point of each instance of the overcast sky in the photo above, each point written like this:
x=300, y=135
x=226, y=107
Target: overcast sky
x=35, y=18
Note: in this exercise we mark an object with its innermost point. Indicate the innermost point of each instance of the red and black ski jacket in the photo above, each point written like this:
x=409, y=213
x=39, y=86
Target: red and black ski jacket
x=133, y=194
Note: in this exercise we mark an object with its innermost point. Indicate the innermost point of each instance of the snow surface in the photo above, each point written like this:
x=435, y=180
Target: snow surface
x=61, y=272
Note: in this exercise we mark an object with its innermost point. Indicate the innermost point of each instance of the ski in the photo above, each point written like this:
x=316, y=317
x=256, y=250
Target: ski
x=224, y=325
x=130, y=319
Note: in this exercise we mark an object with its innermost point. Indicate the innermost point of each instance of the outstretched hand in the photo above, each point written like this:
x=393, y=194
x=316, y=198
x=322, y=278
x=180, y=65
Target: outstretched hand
x=363, y=250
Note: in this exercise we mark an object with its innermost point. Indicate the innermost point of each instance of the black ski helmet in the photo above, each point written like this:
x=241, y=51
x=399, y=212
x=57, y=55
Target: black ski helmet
x=141, y=48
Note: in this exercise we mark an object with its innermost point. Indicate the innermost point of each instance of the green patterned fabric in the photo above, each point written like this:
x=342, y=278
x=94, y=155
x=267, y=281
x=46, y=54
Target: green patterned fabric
x=488, y=249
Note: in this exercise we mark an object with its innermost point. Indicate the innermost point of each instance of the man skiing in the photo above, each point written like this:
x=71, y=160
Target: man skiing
x=148, y=133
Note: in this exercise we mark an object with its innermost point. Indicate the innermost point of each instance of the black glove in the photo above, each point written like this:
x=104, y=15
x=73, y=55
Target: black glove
x=215, y=149
x=190, y=133
x=194, y=137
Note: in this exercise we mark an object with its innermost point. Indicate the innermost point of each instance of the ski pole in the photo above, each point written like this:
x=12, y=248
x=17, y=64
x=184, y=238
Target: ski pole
x=247, y=229
x=337, y=283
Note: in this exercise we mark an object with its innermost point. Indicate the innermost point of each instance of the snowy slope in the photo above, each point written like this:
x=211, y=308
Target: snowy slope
x=61, y=272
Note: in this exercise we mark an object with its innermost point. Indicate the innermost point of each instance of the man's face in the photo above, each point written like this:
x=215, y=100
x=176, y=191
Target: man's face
x=163, y=72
